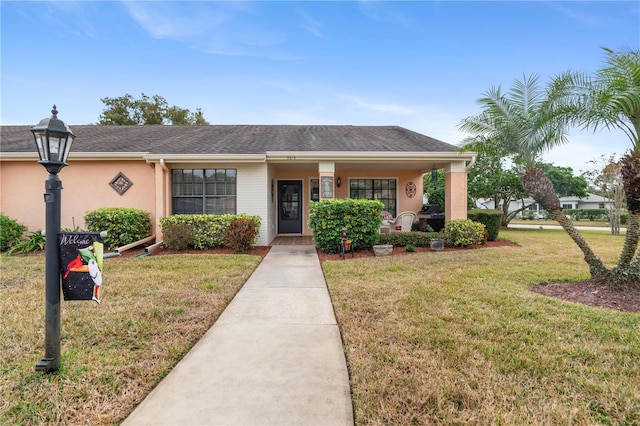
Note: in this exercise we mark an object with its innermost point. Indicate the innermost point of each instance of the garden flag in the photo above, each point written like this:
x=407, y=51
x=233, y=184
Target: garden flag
x=81, y=263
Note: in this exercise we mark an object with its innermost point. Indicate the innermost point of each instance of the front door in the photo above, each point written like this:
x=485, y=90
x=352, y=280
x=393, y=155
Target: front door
x=290, y=207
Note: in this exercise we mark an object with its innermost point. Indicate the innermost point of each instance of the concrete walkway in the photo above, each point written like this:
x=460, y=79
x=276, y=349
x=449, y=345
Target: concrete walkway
x=274, y=357
x=579, y=228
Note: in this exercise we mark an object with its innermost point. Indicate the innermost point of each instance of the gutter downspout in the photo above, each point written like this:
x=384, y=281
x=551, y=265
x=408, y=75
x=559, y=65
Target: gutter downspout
x=165, y=201
x=471, y=164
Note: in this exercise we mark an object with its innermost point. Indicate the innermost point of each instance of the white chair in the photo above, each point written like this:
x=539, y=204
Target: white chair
x=402, y=222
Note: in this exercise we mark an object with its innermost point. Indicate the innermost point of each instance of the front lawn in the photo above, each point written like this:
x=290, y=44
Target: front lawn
x=436, y=337
x=458, y=337
x=153, y=310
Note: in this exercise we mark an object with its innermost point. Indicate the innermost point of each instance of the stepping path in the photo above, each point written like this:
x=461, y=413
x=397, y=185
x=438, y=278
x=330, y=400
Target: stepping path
x=274, y=357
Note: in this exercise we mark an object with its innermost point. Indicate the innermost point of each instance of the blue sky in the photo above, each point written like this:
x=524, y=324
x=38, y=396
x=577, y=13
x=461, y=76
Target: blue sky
x=420, y=65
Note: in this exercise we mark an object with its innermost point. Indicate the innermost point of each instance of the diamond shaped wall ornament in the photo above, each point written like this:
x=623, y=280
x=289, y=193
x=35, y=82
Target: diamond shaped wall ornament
x=120, y=183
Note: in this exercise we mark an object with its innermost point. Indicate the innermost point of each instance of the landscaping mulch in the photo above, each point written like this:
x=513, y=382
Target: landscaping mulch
x=593, y=292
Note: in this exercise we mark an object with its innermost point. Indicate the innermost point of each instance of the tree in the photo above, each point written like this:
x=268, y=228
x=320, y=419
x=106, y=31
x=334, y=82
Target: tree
x=606, y=181
x=565, y=183
x=522, y=125
x=489, y=179
x=611, y=99
x=125, y=110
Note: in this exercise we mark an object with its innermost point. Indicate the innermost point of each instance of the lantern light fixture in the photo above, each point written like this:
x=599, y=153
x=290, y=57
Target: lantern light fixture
x=53, y=141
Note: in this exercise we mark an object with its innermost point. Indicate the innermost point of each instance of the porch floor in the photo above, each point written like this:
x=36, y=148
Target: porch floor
x=293, y=240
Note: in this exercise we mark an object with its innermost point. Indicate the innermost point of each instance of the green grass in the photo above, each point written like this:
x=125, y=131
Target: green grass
x=598, y=223
x=458, y=337
x=153, y=310
x=430, y=338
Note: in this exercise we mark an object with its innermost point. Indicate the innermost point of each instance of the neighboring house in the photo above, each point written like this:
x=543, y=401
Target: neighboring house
x=592, y=201
x=269, y=171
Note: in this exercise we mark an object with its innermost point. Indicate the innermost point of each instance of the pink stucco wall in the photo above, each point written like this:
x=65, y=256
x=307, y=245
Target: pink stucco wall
x=85, y=187
x=405, y=203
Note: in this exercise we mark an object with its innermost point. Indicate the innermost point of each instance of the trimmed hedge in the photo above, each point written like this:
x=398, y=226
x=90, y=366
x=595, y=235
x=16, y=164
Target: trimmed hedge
x=123, y=225
x=491, y=219
x=414, y=238
x=362, y=218
x=202, y=231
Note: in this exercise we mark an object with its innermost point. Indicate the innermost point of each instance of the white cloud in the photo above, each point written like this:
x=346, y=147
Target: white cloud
x=310, y=24
x=584, y=147
x=176, y=20
x=378, y=107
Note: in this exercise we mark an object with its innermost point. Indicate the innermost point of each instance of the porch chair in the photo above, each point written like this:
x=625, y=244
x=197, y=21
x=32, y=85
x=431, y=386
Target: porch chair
x=402, y=222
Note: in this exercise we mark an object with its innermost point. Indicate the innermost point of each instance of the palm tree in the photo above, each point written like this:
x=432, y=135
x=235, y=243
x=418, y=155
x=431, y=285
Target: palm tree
x=611, y=99
x=523, y=125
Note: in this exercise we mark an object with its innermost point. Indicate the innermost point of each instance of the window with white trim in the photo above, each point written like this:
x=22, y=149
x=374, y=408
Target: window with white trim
x=203, y=191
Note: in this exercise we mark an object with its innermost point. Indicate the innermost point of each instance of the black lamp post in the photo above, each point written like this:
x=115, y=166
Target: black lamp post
x=53, y=140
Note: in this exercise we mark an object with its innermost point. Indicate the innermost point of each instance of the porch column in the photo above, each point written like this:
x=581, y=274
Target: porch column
x=162, y=199
x=327, y=171
x=455, y=191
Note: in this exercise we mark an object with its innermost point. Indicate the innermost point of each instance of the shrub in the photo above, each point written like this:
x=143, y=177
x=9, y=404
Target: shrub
x=624, y=218
x=10, y=232
x=362, y=218
x=416, y=239
x=410, y=248
x=123, y=225
x=241, y=234
x=464, y=232
x=491, y=219
x=177, y=236
x=207, y=230
x=34, y=242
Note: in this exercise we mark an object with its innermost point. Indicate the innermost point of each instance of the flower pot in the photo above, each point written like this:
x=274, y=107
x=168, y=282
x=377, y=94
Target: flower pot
x=437, y=244
x=383, y=249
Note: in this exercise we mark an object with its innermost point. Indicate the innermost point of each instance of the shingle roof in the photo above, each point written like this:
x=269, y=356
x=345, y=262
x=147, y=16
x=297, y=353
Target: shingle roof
x=232, y=139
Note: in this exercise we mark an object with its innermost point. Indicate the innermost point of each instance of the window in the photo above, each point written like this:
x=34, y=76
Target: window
x=314, y=187
x=567, y=206
x=204, y=191
x=375, y=189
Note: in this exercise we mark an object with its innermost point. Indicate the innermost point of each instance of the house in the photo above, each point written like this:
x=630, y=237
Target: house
x=591, y=201
x=272, y=171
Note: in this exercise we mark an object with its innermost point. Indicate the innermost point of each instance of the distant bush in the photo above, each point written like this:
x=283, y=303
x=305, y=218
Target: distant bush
x=241, y=234
x=491, y=219
x=464, y=232
x=588, y=214
x=123, y=225
x=10, y=232
x=624, y=218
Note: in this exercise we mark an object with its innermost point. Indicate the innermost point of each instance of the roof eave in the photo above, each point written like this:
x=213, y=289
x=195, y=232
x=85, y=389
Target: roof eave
x=367, y=156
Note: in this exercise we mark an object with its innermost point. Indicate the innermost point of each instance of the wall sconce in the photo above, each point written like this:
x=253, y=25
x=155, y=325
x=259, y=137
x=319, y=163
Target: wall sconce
x=338, y=182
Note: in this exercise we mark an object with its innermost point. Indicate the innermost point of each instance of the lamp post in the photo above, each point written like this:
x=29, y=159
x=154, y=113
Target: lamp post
x=53, y=140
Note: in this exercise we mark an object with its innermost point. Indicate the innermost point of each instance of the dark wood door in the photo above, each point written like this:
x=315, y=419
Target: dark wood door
x=290, y=207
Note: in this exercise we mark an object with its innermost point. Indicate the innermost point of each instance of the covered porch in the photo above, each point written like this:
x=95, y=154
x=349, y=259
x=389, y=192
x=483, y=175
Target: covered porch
x=395, y=179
